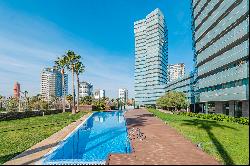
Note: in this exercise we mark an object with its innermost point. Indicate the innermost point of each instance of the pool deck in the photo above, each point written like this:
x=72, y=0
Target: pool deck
x=34, y=155
x=163, y=144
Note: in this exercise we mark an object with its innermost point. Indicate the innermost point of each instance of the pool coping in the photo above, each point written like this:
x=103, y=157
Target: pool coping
x=79, y=162
x=35, y=154
x=63, y=141
x=132, y=154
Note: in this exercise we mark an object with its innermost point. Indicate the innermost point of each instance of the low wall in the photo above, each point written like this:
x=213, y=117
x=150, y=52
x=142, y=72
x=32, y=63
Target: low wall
x=86, y=108
x=27, y=114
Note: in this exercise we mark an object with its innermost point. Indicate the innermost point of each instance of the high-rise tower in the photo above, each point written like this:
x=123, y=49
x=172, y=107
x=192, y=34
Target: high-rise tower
x=151, y=58
x=51, y=83
x=17, y=90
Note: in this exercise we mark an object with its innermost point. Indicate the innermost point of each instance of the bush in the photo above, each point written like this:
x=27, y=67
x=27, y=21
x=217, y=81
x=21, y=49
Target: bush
x=150, y=106
x=27, y=114
x=217, y=117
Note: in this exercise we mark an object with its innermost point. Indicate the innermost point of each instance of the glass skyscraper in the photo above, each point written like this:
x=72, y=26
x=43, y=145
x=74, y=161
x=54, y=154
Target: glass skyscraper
x=151, y=58
x=221, y=43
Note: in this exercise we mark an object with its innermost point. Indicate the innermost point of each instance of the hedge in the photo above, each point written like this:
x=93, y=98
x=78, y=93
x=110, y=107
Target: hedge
x=217, y=117
x=26, y=114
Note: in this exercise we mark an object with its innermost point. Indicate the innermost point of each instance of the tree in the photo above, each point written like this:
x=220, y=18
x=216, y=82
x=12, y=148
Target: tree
x=99, y=104
x=72, y=59
x=172, y=101
x=86, y=100
x=12, y=104
x=60, y=64
x=1, y=103
x=112, y=104
x=69, y=99
x=79, y=68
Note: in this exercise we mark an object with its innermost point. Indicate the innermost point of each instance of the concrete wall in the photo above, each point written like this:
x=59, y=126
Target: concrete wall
x=86, y=108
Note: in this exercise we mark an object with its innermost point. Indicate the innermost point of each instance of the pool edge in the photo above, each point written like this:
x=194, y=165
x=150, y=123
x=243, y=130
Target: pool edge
x=40, y=162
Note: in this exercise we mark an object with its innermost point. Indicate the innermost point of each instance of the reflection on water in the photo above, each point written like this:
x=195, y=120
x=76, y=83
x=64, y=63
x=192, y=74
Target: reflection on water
x=103, y=133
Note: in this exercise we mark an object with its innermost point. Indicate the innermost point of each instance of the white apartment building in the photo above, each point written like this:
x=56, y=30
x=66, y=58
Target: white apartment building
x=176, y=71
x=99, y=93
x=51, y=83
x=85, y=89
x=123, y=95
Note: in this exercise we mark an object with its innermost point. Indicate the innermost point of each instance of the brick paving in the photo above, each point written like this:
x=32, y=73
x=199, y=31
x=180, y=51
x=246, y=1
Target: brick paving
x=163, y=144
x=34, y=155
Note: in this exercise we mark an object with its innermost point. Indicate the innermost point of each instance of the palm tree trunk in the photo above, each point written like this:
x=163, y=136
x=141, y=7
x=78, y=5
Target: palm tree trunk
x=63, y=88
x=73, y=89
x=77, y=76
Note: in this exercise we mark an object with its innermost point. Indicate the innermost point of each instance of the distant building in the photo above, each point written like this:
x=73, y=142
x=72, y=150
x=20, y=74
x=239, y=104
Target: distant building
x=51, y=83
x=17, y=90
x=85, y=89
x=176, y=71
x=123, y=95
x=99, y=93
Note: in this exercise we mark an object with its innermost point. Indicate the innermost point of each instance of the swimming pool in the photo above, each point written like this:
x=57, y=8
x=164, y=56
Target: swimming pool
x=101, y=134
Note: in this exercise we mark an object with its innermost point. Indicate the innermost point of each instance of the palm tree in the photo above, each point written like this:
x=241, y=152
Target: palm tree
x=69, y=99
x=61, y=63
x=72, y=59
x=79, y=68
x=1, y=104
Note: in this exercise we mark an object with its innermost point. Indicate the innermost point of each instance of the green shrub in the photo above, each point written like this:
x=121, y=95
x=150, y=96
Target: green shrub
x=26, y=114
x=150, y=106
x=217, y=117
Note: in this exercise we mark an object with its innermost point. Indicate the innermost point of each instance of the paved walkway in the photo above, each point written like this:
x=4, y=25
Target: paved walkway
x=163, y=145
x=34, y=155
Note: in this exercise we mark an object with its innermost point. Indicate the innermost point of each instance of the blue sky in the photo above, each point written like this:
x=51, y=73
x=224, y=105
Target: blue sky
x=34, y=33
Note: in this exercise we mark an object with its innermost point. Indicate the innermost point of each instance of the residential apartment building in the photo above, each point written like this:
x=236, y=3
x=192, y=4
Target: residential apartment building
x=123, y=95
x=85, y=89
x=176, y=71
x=221, y=45
x=99, y=93
x=51, y=83
x=151, y=58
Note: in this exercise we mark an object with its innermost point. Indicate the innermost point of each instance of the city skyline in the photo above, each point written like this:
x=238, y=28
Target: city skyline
x=41, y=36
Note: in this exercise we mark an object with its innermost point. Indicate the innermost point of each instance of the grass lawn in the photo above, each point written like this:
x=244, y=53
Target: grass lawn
x=227, y=142
x=31, y=131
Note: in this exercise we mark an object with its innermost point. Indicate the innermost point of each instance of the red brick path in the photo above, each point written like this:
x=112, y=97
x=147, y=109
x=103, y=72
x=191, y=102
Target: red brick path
x=163, y=145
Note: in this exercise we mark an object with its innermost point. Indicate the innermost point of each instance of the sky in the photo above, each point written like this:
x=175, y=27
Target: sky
x=34, y=33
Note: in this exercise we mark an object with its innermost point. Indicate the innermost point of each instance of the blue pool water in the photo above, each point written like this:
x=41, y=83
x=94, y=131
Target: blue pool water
x=102, y=133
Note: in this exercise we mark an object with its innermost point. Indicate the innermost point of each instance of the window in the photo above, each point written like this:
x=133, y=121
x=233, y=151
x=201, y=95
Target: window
x=226, y=108
x=238, y=109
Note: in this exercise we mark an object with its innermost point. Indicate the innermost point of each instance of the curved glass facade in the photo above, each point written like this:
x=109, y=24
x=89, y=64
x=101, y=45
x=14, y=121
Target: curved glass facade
x=151, y=58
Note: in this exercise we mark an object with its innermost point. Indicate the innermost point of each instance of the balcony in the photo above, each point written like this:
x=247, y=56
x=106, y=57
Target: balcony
x=235, y=73
x=234, y=93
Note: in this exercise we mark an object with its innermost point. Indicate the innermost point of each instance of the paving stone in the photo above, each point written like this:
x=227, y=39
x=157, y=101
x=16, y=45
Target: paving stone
x=163, y=144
